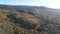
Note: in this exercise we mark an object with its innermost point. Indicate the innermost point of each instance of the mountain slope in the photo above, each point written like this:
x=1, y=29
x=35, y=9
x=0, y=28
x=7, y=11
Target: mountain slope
x=28, y=20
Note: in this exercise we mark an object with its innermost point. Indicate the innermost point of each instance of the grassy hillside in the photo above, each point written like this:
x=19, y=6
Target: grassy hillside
x=27, y=21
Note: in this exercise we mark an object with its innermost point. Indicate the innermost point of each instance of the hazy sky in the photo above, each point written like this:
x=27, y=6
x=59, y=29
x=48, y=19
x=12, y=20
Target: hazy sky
x=47, y=3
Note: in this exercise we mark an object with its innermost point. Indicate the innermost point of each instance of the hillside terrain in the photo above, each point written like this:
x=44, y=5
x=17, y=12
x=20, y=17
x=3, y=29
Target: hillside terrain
x=29, y=20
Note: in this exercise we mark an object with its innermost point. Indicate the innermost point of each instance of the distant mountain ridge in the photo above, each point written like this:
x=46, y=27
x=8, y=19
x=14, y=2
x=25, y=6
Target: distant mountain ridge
x=40, y=8
x=24, y=6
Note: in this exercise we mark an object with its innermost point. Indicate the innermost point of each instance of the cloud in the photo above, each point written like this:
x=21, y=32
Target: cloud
x=51, y=4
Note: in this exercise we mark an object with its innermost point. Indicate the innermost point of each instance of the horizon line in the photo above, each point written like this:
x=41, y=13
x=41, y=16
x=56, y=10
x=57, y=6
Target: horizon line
x=27, y=5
